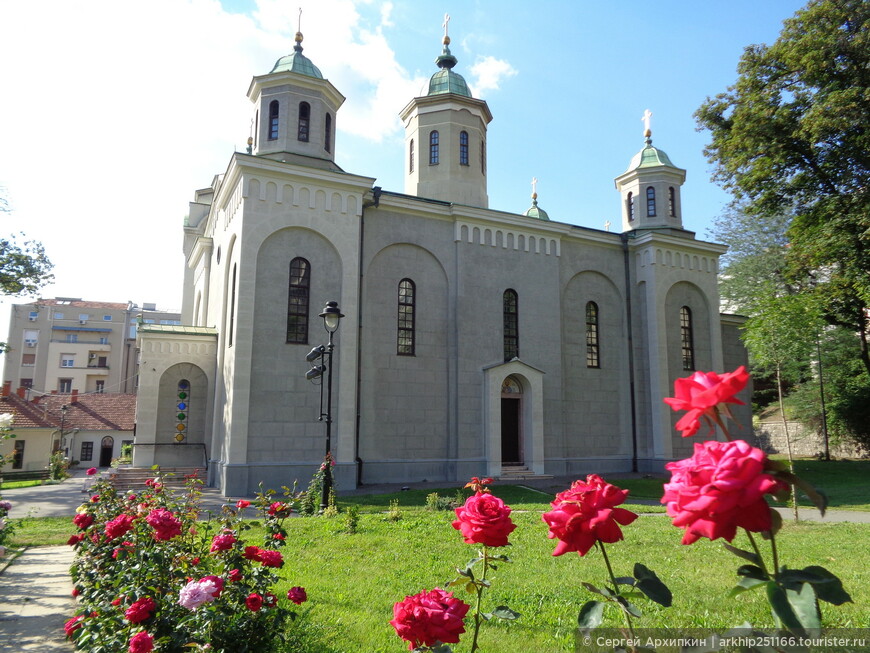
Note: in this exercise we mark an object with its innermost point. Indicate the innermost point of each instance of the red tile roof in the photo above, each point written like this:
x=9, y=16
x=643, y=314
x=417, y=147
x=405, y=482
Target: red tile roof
x=93, y=412
x=27, y=414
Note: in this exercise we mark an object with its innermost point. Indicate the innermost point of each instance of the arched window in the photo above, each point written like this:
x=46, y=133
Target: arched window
x=182, y=405
x=686, y=344
x=411, y=157
x=406, y=317
x=327, y=133
x=672, y=203
x=273, y=120
x=629, y=205
x=510, y=313
x=592, y=359
x=232, y=325
x=433, y=148
x=304, y=121
x=463, y=148
x=650, y=202
x=297, y=301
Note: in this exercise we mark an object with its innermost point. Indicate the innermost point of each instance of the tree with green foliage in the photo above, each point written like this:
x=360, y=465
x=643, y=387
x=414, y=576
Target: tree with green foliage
x=791, y=135
x=24, y=267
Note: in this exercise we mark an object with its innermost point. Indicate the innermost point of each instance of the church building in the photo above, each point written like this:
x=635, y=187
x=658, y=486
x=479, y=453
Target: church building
x=473, y=342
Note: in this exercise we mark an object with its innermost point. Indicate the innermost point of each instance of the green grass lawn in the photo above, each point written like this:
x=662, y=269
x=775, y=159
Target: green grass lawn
x=8, y=485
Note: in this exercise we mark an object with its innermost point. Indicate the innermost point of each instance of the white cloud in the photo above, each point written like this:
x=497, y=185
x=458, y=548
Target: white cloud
x=488, y=73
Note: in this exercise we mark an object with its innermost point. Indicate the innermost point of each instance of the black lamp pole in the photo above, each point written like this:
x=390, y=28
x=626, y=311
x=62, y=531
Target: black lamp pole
x=331, y=316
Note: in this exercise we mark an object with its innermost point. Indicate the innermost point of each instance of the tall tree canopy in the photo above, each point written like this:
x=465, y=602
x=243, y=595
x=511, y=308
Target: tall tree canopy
x=24, y=267
x=791, y=137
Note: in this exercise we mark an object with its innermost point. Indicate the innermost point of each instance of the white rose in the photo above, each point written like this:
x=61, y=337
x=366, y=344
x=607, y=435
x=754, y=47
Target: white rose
x=6, y=420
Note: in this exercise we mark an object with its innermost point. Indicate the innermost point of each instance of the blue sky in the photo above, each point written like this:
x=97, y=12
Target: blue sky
x=114, y=112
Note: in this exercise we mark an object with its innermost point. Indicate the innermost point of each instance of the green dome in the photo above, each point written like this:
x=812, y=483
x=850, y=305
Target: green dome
x=297, y=62
x=445, y=80
x=536, y=212
x=650, y=157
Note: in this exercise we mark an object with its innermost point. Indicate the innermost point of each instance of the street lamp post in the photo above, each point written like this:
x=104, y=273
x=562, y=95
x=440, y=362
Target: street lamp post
x=331, y=317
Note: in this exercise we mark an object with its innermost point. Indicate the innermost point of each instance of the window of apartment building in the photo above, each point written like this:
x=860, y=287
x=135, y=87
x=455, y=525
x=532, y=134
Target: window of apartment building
x=104, y=340
x=84, y=317
x=107, y=318
x=28, y=360
x=64, y=386
x=72, y=337
x=33, y=316
x=58, y=316
x=101, y=386
x=26, y=383
x=87, y=453
x=67, y=360
x=18, y=455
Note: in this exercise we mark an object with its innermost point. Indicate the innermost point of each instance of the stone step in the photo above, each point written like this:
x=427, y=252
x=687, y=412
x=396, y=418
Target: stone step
x=133, y=478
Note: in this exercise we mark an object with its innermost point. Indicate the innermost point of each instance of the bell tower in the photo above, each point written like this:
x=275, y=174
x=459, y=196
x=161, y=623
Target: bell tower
x=445, y=138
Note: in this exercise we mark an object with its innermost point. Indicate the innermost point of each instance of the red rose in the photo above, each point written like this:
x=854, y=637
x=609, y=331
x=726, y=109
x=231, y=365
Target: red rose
x=242, y=503
x=91, y=471
x=165, y=524
x=116, y=602
x=252, y=553
x=140, y=610
x=95, y=498
x=701, y=395
x=83, y=520
x=297, y=595
x=279, y=509
x=254, y=602
x=141, y=642
x=75, y=539
x=222, y=542
x=75, y=592
x=587, y=513
x=73, y=625
x=484, y=519
x=118, y=526
x=271, y=558
x=428, y=618
x=234, y=576
x=720, y=489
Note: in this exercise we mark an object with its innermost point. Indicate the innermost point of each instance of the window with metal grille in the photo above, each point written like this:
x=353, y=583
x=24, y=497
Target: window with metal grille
x=297, y=301
x=304, y=121
x=510, y=312
x=87, y=453
x=273, y=120
x=406, y=318
x=433, y=148
x=463, y=148
x=327, y=133
x=650, y=202
x=592, y=359
x=686, y=344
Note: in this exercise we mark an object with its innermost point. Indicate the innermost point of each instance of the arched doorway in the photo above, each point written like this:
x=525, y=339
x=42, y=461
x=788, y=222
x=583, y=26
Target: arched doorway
x=107, y=447
x=511, y=422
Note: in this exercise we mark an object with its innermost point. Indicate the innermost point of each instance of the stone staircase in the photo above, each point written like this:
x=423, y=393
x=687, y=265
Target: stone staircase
x=519, y=474
x=133, y=478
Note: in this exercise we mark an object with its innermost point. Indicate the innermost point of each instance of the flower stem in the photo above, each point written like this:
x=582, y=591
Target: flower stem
x=758, y=553
x=479, y=588
x=615, y=585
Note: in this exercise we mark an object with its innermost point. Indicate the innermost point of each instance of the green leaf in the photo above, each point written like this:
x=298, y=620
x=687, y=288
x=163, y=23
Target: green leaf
x=830, y=589
x=504, y=612
x=782, y=610
x=590, y=615
x=602, y=591
x=625, y=580
x=752, y=571
x=803, y=604
x=746, y=555
x=745, y=584
x=818, y=498
x=628, y=607
x=650, y=584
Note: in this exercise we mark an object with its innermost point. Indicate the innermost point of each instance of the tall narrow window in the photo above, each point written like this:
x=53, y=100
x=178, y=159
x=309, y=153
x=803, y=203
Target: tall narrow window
x=87, y=453
x=406, y=317
x=304, y=121
x=482, y=157
x=511, y=325
x=650, y=202
x=327, y=133
x=273, y=120
x=629, y=206
x=232, y=325
x=686, y=344
x=18, y=454
x=182, y=406
x=256, y=126
x=433, y=148
x=463, y=148
x=592, y=359
x=672, y=206
x=411, y=157
x=297, y=301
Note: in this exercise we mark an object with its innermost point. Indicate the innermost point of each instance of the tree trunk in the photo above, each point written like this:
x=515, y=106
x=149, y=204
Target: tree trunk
x=794, y=505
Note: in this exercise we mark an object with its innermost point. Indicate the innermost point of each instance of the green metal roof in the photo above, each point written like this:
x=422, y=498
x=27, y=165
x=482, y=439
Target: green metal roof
x=445, y=80
x=297, y=63
x=178, y=329
x=536, y=212
x=650, y=157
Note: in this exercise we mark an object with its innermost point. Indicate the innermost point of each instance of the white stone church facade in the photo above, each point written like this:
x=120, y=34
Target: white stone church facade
x=472, y=340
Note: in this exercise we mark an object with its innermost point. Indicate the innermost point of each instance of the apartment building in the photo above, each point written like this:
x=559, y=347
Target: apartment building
x=68, y=344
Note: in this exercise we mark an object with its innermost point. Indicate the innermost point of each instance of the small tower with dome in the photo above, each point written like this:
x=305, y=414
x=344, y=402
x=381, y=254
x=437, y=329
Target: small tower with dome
x=295, y=111
x=534, y=211
x=650, y=188
x=445, y=138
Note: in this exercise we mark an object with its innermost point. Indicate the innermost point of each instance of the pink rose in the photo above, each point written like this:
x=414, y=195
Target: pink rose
x=141, y=642
x=701, y=395
x=83, y=520
x=165, y=524
x=254, y=602
x=118, y=526
x=140, y=610
x=222, y=542
x=587, y=513
x=430, y=617
x=218, y=583
x=197, y=592
x=91, y=471
x=242, y=503
x=297, y=595
x=234, y=576
x=720, y=489
x=271, y=558
x=484, y=519
x=73, y=625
